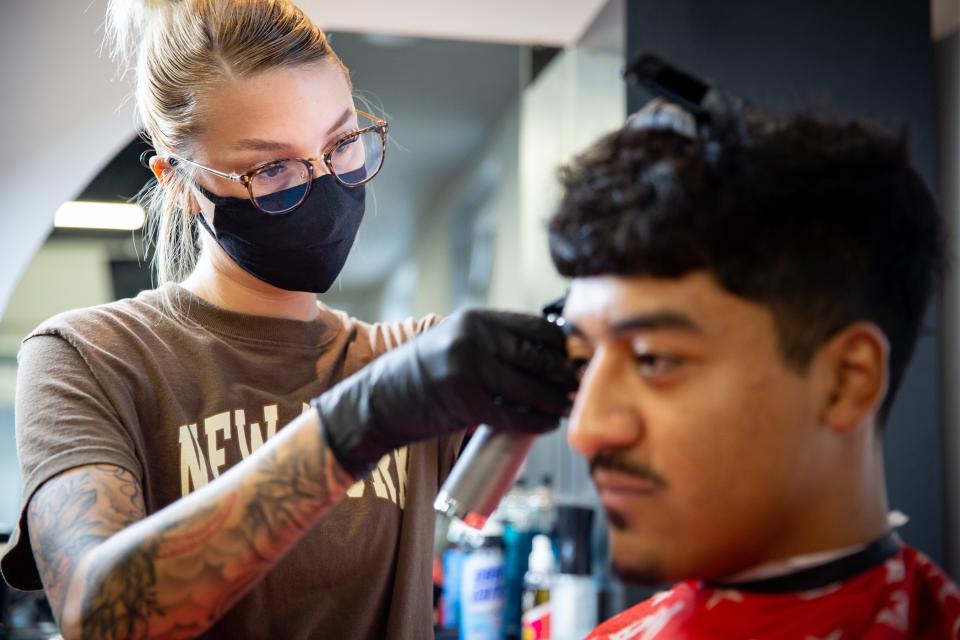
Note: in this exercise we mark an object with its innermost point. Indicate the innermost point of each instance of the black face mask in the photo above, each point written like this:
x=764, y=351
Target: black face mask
x=303, y=250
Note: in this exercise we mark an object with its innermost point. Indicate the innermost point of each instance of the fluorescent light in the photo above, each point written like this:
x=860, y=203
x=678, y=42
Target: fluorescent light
x=99, y=215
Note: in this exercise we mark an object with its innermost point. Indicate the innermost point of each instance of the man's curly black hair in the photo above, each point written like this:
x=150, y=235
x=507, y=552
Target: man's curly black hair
x=825, y=223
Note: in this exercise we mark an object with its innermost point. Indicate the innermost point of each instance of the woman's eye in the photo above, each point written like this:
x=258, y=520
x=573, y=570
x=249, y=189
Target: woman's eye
x=273, y=171
x=344, y=145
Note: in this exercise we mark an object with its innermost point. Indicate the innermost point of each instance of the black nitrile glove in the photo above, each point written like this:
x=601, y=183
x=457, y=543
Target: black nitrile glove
x=507, y=370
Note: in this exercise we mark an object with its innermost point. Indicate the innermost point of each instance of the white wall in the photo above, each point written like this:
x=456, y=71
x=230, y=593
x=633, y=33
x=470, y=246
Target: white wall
x=61, y=119
x=546, y=22
x=44, y=290
x=576, y=99
x=434, y=256
x=9, y=476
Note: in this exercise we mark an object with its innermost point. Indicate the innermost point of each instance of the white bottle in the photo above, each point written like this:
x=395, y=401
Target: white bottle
x=573, y=606
x=536, y=591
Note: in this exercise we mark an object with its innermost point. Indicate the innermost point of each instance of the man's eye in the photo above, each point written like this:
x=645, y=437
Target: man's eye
x=580, y=364
x=654, y=365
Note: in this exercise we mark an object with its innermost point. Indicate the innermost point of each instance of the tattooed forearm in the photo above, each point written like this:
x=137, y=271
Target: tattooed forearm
x=119, y=600
x=176, y=572
x=289, y=490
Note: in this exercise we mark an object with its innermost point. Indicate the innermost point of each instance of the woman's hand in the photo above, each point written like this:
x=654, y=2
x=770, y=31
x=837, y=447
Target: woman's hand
x=507, y=370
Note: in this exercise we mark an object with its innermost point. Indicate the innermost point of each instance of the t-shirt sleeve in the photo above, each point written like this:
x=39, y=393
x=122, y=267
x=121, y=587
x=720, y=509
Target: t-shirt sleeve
x=64, y=419
x=386, y=336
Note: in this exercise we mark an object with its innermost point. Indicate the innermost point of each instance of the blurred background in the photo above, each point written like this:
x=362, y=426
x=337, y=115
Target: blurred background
x=485, y=101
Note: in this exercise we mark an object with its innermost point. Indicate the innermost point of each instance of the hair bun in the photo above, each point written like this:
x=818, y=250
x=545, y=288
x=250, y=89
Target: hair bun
x=127, y=24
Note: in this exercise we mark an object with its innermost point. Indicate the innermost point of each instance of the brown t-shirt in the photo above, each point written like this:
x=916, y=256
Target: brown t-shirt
x=178, y=398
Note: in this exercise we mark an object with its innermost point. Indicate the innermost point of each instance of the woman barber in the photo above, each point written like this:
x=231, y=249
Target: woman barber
x=223, y=455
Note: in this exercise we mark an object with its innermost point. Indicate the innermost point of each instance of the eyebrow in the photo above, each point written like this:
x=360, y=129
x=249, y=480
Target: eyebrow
x=657, y=321
x=341, y=120
x=259, y=144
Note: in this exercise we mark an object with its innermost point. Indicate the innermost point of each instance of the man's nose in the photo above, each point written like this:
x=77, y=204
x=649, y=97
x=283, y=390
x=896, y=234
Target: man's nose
x=605, y=414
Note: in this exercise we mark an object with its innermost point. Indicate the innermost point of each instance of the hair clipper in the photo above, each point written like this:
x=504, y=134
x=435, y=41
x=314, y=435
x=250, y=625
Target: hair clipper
x=488, y=466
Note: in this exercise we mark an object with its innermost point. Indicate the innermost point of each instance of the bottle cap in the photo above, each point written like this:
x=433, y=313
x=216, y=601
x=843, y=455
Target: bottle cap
x=456, y=533
x=492, y=529
x=541, y=557
x=491, y=535
x=574, y=528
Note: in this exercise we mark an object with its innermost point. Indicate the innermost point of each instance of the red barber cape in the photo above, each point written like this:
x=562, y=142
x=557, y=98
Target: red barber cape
x=907, y=596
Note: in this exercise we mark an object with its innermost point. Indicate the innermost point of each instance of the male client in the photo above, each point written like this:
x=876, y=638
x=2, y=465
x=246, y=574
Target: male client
x=746, y=295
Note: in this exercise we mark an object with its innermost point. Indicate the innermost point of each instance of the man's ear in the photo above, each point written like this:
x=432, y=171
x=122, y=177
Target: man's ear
x=161, y=168
x=855, y=363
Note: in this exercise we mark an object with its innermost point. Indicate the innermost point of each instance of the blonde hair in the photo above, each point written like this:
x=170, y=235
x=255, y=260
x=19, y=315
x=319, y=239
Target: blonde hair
x=179, y=50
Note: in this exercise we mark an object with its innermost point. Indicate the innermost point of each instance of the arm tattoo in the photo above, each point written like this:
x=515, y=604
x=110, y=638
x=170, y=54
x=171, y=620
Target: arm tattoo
x=286, y=488
x=119, y=600
x=178, y=571
x=62, y=526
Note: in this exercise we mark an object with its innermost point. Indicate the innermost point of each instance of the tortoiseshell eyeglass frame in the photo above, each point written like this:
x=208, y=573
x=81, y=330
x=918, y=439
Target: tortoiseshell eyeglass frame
x=379, y=126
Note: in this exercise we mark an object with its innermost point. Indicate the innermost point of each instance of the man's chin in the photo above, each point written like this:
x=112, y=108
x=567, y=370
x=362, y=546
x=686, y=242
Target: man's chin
x=638, y=574
x=637, y=561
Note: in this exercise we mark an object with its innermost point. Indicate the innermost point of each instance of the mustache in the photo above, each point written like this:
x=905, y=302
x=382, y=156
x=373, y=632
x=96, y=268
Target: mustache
x=616, y=461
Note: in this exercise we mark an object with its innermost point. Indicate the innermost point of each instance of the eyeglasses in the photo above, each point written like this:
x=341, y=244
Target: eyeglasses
x=280, y=186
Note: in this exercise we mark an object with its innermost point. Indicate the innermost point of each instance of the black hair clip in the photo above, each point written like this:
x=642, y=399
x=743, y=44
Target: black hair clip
x=661, y=78
x=688, y=105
